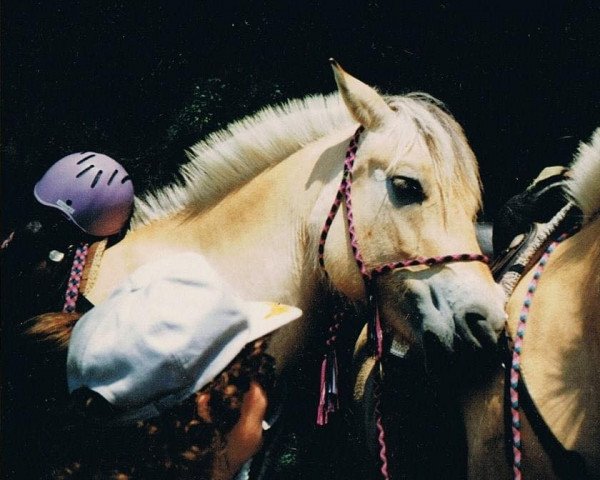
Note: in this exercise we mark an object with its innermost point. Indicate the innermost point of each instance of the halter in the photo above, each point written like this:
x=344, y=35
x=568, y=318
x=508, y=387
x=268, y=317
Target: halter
x=328, y=400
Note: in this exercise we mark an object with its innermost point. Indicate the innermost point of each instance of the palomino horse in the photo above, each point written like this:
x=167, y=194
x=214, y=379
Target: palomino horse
x=556, y=357
x=255, y=197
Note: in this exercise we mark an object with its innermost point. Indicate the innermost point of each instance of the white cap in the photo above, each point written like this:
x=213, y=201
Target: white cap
x=167, y=331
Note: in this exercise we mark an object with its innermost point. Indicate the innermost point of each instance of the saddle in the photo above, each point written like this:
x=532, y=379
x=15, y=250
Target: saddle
x=527, y=222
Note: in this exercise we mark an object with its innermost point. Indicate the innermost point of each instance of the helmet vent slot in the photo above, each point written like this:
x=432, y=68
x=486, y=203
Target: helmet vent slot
x=112, y=177
x=125, y=179
x=85, y=170
x=86, y=158
x=96, y=178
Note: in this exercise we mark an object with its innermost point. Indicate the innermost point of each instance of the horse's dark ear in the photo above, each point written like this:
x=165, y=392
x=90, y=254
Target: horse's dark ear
x=366, y=105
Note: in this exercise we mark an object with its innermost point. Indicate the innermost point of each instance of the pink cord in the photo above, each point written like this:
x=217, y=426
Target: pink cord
x=74, y=281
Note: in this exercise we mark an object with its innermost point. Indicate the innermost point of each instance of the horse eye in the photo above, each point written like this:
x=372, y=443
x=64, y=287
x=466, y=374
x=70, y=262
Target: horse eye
x=406, y=190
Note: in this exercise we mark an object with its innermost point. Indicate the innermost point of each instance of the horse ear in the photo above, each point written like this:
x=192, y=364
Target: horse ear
x=366, y=105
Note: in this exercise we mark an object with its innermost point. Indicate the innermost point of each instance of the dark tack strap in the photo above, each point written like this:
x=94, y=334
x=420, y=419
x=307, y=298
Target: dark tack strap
x=567, y=464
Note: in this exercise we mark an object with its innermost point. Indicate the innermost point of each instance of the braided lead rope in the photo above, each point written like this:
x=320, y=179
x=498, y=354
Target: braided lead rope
x=431, y=261
x=90, y=275
x=380, y=432
x=327, y=401
x=328, y=397
x=377, y=393
x=329, y=393
x=341, y=194
x=74, y=281
x=515, y=369
x=347, y=191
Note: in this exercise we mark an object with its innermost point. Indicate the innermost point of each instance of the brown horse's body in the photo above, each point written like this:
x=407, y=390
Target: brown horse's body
x=560, y=361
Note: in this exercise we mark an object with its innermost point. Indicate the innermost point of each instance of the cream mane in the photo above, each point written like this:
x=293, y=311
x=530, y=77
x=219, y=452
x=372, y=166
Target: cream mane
x=584, y=185
x=232, y=156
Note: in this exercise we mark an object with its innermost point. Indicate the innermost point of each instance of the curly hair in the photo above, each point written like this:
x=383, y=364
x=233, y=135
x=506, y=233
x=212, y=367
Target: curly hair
x=179, y=444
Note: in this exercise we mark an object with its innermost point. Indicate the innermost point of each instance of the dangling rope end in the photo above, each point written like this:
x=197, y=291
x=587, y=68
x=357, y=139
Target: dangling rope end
x=328, y=397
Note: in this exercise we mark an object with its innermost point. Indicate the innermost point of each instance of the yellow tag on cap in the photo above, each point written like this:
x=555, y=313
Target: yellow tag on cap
x=277, y=309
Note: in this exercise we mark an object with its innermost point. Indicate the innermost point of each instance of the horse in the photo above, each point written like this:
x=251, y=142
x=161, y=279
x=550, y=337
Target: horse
x=553, y=388
x=255, y=199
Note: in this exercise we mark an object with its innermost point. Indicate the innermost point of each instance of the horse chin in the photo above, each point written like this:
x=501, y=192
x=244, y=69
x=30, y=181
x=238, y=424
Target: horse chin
x=457, y=349
x=452, y=332
x=457, y=314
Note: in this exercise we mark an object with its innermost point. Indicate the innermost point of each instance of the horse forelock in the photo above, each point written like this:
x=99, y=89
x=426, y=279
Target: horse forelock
x=228, y=158
x=425, y=120
x=582, y=186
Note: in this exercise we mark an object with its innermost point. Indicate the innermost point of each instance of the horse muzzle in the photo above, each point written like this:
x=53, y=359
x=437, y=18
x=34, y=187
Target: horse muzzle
x=456, y=314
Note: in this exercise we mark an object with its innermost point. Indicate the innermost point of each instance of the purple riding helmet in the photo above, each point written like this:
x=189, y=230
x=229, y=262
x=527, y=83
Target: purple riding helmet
x=91, y=189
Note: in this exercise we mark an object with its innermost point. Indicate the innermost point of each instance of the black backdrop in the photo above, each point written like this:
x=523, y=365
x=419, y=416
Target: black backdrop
x=141, y=81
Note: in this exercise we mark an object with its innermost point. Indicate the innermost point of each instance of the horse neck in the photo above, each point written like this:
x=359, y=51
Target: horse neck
x=262, y=238
x=561, y=352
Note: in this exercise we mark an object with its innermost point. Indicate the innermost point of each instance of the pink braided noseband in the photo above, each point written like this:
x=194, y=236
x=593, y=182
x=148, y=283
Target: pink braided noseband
x=328, y=400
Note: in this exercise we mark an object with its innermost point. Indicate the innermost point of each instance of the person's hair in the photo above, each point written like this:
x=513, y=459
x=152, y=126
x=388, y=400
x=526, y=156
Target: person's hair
x=179, y=444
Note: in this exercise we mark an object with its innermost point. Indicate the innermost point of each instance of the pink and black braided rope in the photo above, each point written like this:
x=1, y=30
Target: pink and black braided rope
x=343, y=193
x=74, y=281
x=431, y=261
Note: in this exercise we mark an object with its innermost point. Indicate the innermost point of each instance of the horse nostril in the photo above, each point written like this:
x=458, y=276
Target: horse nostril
x=480, y=329
x=434, y=298
x=473, y=320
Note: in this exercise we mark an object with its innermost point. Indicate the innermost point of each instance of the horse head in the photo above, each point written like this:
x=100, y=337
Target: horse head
x=415, y=193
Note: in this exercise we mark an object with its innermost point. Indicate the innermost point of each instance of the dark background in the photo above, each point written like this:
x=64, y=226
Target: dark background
x=141, y=81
